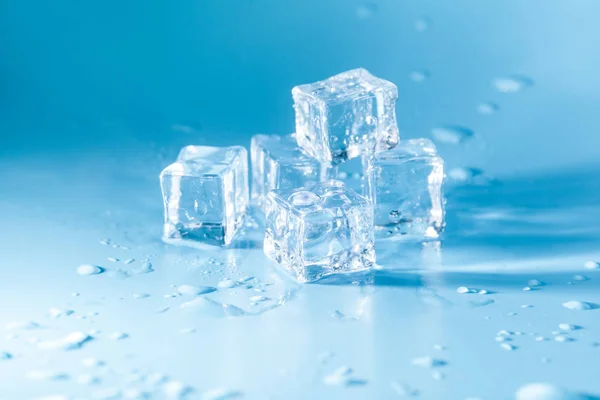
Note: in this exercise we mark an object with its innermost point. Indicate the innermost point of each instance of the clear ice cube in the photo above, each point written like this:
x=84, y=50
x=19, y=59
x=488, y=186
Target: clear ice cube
x=278, y=163
x=321, y=230
x=405, y=184
x=205, y=194
x=347, y=115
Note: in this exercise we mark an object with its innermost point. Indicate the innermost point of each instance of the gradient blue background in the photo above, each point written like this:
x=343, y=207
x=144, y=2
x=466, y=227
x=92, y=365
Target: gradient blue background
x=97, y=97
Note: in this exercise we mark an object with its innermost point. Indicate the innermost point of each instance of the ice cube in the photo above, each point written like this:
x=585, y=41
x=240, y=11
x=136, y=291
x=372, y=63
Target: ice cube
x=320, y=230
x=205, y=194
x=405, y=184
x=278, y=163
x=347, y=115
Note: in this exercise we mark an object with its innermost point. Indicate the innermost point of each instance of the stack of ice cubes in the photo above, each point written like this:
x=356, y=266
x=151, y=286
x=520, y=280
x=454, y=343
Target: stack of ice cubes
x=315, y=225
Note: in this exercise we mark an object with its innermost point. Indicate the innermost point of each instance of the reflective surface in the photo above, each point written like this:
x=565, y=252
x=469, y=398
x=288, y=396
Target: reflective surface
x=91, y=115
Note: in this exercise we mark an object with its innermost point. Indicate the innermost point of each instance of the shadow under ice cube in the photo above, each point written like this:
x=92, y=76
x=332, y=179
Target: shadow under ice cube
x=405, y=184
x=321, y=230
x=347, y=115
x=205, y=194
x=278, y=163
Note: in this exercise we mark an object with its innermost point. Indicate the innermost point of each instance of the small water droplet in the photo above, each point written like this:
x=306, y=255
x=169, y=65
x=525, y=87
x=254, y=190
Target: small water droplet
x=187, y=331
x=91, y=362
x=258, y=299
x=563, y=339
x=5, y=355
x=162, y=310
x=504, y=333
x=118, y=335
x=402, y=389
x=439, y=347
x=72, y=341
x=47, y=375
x=129, y=261
x=545, y=391
x=526, y=289
x=304, y=198
x=138, y=296
x=112, y=259
x=145, y=268
x=487, y=108
x=176, y=390
x=226, y=284
x=452, y=134
x=579, y=305
x=526, y=306
x=194, y=290
x=75, y=294
x=339, y=377
x=88, y=379
x=591, y=265
x=508, y=346
x=428, y=362
x=437, y=375
x=88, y=269
x=57, y=313
x=464, y=290
x=569, y=327
x=105, y=242
x=512, y=84
x=535, y=283
x=420, y=75
x=580, y=278
x=541, y=339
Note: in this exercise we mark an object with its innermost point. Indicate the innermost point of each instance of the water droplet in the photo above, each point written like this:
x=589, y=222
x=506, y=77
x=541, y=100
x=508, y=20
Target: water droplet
x=487, y=108
x=451, y=134
x=463, y=174
x=47, y=375
x=526, y=289
x=562, y=339
x=88, y=379
x=526, y=306
x=591, y=265
x=138, y=296
x=91, y=362
x=428, y=362
x=22, y=326
x=422, y=24
x=258, y=299
x=112, y=259
x=194, y=290
x=580, y=278
x=569, y=327
x=57, y=313
x=75, y=294
x=481, y=303
x=72, y=341
x=88, y=269
x=512, y=84
x=145, y=268
x=118, y=335
x=129, y=261
x=439, y=347
x=437, y=375
x=339, y=377
x=579, y=305
x=245, y=279
x=504, y=332
x=535, y=283
x=5, y=355
x=162, y=310
x=545, y=391
x=541, y=339
x=419, y=76
x=464, y=290
x=221, y=394
x=511, y=314
x=176, y=390
x=508, y=346
x=503, y=339
x=226, y=284
x=186, y=331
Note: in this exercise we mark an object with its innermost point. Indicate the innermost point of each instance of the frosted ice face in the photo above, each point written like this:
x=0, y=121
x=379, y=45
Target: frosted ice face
x=278, y=163
x=320, y=230
x=205, y=194
x=405, y=184
x=349, y=114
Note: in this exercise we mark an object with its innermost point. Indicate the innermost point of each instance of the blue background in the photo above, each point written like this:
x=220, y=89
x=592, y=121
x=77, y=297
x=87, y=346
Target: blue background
x=97, y=97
